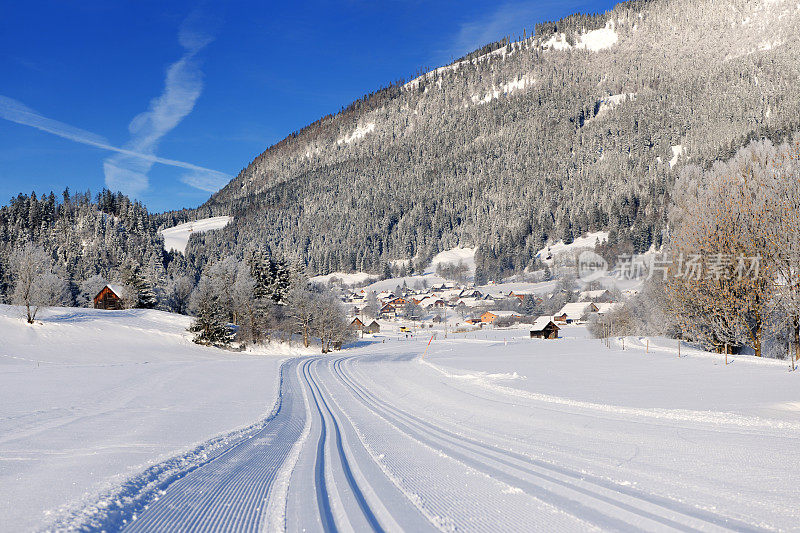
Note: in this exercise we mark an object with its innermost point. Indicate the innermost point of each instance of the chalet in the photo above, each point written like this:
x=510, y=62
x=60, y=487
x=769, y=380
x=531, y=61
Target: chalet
x=544, y=328
x=474, y=321
x=365, y=326
x=490, y=317
x=388, y=311
x=372, y=327
x=598, y=296
x=432, y=301
x=397, y=302
x=110, y=297
x=357, y=324
x=574, y=312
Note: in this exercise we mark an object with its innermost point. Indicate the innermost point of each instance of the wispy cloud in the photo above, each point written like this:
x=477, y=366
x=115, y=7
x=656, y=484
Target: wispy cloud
x=15, y=111
x=508, y=19
x=182, y=87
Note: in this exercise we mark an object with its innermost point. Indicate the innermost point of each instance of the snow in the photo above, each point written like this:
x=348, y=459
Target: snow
x=593, y=41
x=89, y=398
x=540, y=323
x=608, y=103
x=548, y=253
x=517, y=84
x=177, y=237
x=597, y=40
x=476, y=430
x=411, y=281
x=677, y=151
x=519, y=287
x=454, y=255
x=359, y=133
x=353, y=278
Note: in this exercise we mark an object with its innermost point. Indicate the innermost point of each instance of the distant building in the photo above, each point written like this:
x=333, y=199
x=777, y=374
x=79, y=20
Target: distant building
x=490, y=317
x=110, y=297
x=365, y=326
x=598, y=296
x=388, y=311
x=357, y=324
x=575, y=312
x=544, y=328
x=372, y=327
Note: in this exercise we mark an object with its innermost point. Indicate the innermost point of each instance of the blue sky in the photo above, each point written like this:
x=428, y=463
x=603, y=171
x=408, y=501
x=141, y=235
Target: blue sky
x=166, y=101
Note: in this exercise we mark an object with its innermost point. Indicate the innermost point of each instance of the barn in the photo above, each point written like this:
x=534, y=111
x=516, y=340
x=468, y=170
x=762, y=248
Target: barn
x=544, y=328
x=110, y=298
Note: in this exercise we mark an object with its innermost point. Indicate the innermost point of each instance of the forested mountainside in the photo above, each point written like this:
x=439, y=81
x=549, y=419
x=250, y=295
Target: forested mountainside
x=581, y=127
x=91, y=240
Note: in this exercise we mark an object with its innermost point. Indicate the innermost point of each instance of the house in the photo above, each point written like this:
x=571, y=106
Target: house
x=574, y=312
x=490, y=317
x=432, y=301
x=598, y=296
x=473, y=321
x=397, y=302
x=365, y=326
x=388, y=311
x=109, y=297
x=603, y=308
x=372, y=327
x=544, y=328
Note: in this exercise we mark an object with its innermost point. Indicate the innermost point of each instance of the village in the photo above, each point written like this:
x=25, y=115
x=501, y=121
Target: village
x=457, y=307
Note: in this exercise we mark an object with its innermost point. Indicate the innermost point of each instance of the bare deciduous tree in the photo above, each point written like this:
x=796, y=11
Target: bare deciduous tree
x=35, y=284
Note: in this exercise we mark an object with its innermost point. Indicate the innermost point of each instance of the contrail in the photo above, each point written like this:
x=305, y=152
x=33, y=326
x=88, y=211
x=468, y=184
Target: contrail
x=15, y=111
x=182, y=87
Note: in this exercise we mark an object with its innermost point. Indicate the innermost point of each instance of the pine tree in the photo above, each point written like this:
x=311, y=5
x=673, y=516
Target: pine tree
x=210, y=324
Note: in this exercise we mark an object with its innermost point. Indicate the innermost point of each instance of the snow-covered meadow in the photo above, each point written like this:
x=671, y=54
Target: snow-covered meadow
x=89, y=398
x=477, y=429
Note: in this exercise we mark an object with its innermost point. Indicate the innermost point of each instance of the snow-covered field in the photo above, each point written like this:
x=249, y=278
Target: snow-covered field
x=489, y=431
x=466, y=256
x=177, y=237
x=89, y=398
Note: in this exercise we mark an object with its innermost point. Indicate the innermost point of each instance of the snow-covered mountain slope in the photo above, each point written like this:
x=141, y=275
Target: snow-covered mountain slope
x=89, y=398
x=581, y=128
x=177, y=237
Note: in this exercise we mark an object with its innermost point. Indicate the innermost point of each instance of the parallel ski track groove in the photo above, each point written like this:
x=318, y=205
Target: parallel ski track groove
x=359, y=495
x=224, y=494
x=498, y=454
x=323, y=500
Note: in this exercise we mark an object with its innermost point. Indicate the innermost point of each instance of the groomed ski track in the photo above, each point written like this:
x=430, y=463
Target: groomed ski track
x=345, y=453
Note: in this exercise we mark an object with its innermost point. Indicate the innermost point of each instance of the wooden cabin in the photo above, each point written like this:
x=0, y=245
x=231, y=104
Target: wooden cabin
x=357, y=324
x=372, y=327
x=110, y=298
x=544, y=328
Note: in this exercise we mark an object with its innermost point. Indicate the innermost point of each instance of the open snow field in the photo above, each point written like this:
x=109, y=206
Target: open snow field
x=491, y=431
x=177, y=237
x=89, y=398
